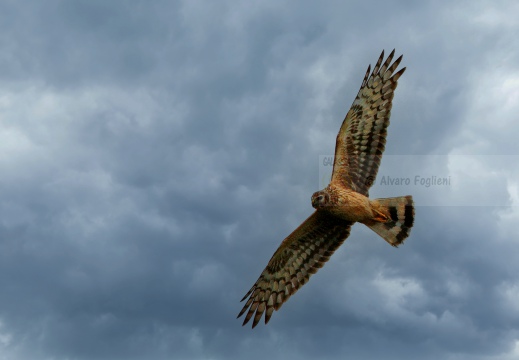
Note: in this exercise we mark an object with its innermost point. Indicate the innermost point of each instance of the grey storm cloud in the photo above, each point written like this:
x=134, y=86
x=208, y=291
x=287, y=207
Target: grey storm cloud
x=153, y=155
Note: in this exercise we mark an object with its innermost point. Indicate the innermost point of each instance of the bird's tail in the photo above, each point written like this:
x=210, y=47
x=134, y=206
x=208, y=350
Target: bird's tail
x=400, y=218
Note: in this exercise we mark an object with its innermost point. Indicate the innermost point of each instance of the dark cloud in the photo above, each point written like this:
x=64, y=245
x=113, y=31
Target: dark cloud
x=153, y=156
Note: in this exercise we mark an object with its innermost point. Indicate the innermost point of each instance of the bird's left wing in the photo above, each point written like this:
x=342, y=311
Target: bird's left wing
x=362, y=137
x=299, y=256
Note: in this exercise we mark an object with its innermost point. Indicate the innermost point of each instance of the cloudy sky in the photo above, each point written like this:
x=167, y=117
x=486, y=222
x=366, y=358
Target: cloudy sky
x=153, y=155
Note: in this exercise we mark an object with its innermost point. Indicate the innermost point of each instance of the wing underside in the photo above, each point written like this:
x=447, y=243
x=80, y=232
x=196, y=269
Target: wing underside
x=362, y=138
x=299, y=256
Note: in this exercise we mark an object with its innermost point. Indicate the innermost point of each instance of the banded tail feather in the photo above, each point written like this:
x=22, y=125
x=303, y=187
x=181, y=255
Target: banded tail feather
x=401, y=213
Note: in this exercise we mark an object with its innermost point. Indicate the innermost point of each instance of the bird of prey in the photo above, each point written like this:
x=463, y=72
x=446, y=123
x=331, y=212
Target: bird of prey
x=358, y=151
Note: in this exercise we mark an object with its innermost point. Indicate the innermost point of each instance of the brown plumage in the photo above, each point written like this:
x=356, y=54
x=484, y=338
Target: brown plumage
x=358, y=152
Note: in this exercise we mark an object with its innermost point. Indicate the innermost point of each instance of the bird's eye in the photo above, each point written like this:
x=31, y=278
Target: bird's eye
x=320, y=198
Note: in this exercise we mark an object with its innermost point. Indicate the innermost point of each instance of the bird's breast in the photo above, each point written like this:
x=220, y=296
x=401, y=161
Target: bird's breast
x=352, y=206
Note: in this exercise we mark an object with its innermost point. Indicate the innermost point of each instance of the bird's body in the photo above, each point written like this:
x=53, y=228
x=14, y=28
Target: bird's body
x=359, y=147
x=346, y=204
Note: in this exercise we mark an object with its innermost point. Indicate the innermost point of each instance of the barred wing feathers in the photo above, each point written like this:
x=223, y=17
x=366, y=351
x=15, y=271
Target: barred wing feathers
x=299, y=256
x=362, y=137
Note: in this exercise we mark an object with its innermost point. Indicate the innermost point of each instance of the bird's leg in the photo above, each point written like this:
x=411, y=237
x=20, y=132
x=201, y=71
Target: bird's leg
x=379, y=216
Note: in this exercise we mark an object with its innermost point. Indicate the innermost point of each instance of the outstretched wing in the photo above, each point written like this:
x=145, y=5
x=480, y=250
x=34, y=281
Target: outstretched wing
x=362, y=137
x=299, y=256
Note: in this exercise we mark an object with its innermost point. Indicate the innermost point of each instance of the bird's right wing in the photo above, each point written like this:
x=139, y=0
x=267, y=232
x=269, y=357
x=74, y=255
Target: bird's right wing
x=299, y=256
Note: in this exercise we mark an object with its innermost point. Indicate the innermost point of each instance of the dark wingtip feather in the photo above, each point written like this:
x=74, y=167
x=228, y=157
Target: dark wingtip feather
x=387, y=62
x=366, y=76
x=245, y=308
x=379, y=62
x=268, y=314
x=248, y=316
x=399, y=59
x=398, y=74
x=254, y=323
x=248, y=293
x=245, y=321
x=241, y=312
x=395, y=64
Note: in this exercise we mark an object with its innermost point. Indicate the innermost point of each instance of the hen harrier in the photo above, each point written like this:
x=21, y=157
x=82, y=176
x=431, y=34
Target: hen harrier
x=358, y=151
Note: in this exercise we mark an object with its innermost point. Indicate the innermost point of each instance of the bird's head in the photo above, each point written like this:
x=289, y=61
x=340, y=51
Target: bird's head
x=320, y=199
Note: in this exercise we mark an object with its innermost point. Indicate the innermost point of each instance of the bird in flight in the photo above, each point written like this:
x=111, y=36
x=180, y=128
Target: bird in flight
x=358, y=151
